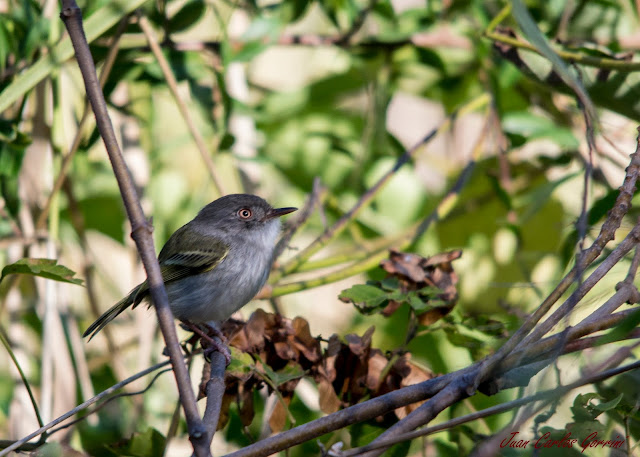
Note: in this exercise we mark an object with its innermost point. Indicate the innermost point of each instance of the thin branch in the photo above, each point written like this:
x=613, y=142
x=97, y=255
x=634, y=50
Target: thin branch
x=109, y=400
x=146, y=28
x=630, y=241
x=583, y=222
x=357, y=24
x=550, y=394
x=366, y=198
x=602, y=63
x=5, y=342
x=141, y=229
x=105, y=393
x=488, y=447
x=318, y=192
x=607, y=233
x=633, y=268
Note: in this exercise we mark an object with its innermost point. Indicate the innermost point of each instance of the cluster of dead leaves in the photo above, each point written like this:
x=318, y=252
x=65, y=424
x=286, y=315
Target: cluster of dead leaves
x=284, y=350
x=415, y=272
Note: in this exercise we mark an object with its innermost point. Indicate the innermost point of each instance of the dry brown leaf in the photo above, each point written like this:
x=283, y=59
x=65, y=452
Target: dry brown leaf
x=245, y=399
x=329, y=401
x=304, y=341
x=415, y=272
x=346, y=372
x=278, y=419
x=377, y=363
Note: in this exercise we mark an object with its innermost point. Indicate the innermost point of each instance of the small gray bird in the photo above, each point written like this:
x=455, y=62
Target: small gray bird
x=215, y=264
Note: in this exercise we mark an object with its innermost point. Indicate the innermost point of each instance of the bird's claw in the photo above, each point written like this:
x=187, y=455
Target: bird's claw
x=214, y=339
x=217, y=346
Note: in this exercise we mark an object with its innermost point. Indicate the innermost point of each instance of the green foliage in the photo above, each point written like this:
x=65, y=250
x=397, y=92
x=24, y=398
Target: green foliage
x=374, y=296
x=150, y=443
x=44, y=268
x=336, y=90
x=13, y=144
x=188, y=15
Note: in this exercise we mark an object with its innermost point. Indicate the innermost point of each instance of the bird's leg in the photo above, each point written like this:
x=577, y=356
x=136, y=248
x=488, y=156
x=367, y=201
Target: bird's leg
x=213, y=330
x=212, y=342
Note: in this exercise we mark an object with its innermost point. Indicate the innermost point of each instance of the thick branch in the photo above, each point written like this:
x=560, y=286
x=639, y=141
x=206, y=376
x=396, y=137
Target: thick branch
x=141, y=229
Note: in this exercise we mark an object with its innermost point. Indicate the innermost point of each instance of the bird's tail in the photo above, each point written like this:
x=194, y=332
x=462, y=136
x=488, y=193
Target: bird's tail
x=111, y=313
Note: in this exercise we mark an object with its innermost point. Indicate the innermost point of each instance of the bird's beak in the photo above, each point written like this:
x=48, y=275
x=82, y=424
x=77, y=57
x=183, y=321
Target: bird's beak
x=277, y=212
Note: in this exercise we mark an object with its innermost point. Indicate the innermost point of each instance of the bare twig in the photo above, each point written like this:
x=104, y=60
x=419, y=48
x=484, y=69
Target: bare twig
x=109, y=400
x=105, y=393
x=186, y=115
x=630, y=241
x=488, y=447
x=546, y=395
x=78, y=223
x=357, y=24
x=316, y=196
x=582, y=222
x=5, y=342
x=332, y=232
x=607, y=233
x=603, y=63
x=141, y=229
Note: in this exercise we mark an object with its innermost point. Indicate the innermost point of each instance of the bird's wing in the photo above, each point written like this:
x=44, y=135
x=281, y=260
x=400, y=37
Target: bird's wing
x=198, y=254
x=191, y=256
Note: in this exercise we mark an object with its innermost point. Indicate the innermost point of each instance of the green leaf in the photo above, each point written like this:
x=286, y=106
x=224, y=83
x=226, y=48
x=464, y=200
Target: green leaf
x=536, y=198
x=288, y=373
x=247, y=51
x=533, y=33
x=364, y=294
x=416, y=302
x=241, y=362
x=103, y=213
x=532, y=126
x=622, y=329
x=44, y=268
x=9, y=190
x=95, y=25
x=50, y=450
x=391, y=283
x=606, y=406
x=583, y=429
x=582, y=409
x=294, y=9
x=188, y=15
x=226, y=142
x=13, y=145
x=150, y=443
x=461, y=340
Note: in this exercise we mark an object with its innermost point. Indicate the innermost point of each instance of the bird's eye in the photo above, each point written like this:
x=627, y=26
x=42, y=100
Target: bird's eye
x=244, y=213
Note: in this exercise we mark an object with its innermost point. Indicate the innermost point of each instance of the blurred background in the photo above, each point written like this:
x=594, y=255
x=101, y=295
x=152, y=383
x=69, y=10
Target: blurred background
x=281, y=94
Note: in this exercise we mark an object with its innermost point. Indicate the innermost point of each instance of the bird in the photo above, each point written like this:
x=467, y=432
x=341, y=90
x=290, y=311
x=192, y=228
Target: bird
x=213, y=265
